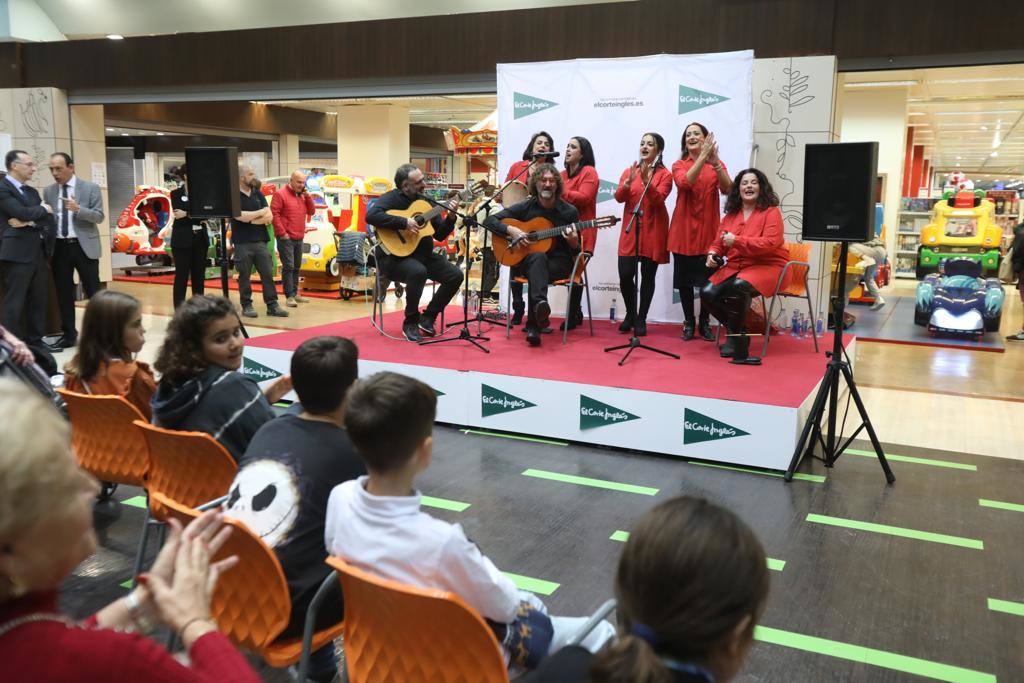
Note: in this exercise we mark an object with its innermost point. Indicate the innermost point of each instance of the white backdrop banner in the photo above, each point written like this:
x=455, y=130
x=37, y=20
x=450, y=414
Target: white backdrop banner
x=612, y=103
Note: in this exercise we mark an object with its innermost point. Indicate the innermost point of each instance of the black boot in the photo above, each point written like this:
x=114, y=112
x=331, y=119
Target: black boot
x=518, y=308
x=726, y=350
x=640, y=328
x=704, y=327
x=687, y=330
x=627, y=324
x=741, y=353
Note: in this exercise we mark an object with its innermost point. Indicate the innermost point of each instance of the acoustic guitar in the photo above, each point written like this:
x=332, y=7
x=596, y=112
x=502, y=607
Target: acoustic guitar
x=540, y=236
x=403, y=242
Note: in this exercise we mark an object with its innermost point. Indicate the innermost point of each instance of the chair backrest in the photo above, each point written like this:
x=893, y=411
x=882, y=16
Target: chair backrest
x=795, y=282
x=104, y=439
x=403, y=633
x=251, y=603
x=190, y=468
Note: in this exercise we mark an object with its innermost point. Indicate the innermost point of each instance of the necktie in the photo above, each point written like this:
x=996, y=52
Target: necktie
x=64, y=211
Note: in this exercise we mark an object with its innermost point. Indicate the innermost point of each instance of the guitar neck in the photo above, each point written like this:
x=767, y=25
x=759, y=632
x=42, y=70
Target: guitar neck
x=555, y=232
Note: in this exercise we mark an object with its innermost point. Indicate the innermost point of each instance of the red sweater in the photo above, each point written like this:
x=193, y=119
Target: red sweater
x=290, y=213
x=581, y=192
x=45, y=651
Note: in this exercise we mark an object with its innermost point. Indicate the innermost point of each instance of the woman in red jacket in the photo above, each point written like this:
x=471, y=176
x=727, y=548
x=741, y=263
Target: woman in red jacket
x=750, y=254
x=699, y=177
x=653, y=230
x=580, y=189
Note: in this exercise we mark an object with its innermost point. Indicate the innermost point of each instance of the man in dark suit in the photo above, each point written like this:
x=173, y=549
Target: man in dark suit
x=78, y=208
x=26, y=242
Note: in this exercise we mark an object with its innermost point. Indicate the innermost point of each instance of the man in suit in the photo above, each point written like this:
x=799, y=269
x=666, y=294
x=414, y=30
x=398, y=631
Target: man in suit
x=78, y=208
x=26, y=242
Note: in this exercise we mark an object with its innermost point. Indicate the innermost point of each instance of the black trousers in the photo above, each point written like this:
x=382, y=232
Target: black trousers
x=540, y=270
x=26, y=291
x=413, y=272
x=627, y=285
x=247, y=255
x=728, y=301
x=67, y=258
x=189, y=263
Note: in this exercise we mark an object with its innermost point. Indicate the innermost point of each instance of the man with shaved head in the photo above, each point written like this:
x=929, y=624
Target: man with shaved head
x=250, y=238
x=291, y=207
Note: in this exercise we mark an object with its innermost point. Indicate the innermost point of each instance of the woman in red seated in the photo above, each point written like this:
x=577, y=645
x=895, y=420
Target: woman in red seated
x=749, y=253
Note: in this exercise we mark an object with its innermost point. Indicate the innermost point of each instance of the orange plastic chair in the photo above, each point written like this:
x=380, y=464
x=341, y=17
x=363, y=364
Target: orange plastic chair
x=793, y=283
x=578, y=279
x=251, y=603
x=103, y=439
x=385, y=638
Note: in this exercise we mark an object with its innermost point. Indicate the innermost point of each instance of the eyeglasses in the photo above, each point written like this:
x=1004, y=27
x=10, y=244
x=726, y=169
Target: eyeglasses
x=30, y=164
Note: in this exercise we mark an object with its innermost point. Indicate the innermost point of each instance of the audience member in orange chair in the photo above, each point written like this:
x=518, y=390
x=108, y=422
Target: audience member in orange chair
x=199, y=388
x=112, y=334
x=691, y=585
x=287, y=474
x=46, y=531
x=375, y=523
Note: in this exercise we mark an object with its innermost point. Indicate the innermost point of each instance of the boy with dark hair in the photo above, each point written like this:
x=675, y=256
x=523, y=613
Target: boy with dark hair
x=287, y=473
x=375, y=523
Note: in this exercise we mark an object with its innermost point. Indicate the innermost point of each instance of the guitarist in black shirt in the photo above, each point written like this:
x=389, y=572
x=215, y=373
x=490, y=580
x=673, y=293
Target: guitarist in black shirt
x=413, y=270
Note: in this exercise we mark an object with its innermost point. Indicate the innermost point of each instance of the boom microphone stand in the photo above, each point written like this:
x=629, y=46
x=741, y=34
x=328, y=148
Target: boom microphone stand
x=829, y=389
x=634, y=341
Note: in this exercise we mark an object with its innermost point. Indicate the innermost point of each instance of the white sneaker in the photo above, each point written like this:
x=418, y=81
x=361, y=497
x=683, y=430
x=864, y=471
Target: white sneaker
x=301, y=299
x=879, y=302
x=290, y=302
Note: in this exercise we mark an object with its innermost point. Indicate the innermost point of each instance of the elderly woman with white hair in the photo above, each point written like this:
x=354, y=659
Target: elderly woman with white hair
x=46, y=531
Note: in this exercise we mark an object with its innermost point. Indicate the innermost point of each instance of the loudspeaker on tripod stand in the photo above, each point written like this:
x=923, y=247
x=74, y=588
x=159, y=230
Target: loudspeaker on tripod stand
x=213, y=182
x=839, y=191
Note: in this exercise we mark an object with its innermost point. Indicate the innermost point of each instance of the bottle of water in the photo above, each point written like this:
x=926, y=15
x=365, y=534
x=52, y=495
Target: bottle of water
x=474, y=303
x=805, y=330
x=820, y=327
x=611, y=311
x=794, y=325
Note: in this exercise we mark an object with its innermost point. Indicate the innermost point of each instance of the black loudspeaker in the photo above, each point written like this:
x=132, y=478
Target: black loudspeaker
x=839, y=192
x=213, y=182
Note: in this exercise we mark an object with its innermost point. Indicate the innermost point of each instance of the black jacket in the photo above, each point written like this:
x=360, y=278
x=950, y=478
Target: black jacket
x=377, y=216
x=1017, y=249
x=21, y=244
x=182, y=234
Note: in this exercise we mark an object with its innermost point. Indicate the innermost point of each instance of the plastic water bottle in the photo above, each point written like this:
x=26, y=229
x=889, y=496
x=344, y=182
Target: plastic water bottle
x=611, y=311
x=820, y=327
x=474, y=303
x=794, y=325
x=805, y=330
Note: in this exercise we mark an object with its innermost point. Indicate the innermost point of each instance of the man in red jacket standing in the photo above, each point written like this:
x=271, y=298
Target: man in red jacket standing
x=292, y=207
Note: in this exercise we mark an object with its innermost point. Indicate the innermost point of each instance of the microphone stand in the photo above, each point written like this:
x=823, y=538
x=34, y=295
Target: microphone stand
x=634, y=341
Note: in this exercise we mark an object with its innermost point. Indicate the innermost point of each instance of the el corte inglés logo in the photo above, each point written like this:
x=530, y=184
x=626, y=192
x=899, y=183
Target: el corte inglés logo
x=495, y=401
x=691, y=99
x=258, y=371
x=597, y=414
x=698, y=428
x=524, y=105
x=606, y=191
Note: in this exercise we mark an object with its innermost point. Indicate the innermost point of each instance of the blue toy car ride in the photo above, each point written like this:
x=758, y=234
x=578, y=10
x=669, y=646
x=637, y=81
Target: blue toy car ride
x=959, y=301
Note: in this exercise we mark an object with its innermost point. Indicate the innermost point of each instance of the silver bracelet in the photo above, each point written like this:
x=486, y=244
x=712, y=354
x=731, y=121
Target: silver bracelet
x=139, y=616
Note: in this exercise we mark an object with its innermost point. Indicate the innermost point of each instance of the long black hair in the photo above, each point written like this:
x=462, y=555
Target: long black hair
x=765, y=198
x=586, y=156
x=660, y=142
x=528, y=152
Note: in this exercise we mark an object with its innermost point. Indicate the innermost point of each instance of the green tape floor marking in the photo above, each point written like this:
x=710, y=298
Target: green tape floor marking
x=136, y=502
x=126, y=584
x=1015, y=608
x=1000, y=505
x=443, y=503
x=527, y=583
x=816, y=478
x=897, y=531
x=773, y=564
x=516, y=437
x=917, y=461
x=866, y=655
x=587, y=481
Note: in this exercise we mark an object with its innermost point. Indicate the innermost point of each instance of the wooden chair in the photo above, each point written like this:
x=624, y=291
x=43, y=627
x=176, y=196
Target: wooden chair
x=578, y=279
x=251, y=603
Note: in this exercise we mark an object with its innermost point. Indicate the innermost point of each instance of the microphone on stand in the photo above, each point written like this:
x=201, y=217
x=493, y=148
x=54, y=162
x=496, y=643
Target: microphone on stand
x=551, y=155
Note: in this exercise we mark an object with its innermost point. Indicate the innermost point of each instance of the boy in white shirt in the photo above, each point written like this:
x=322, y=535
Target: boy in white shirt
x=376, y=524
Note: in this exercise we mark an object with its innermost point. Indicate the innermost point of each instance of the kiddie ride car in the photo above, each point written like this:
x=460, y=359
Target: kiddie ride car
x=140, y=224
x=963, y=226
x=959, y=301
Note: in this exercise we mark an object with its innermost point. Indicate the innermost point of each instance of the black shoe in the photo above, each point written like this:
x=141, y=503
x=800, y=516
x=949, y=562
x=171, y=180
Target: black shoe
x=249, y=312
x=412, y=332
x=574, y=320
x=276, y=311
x=52, y=347
x=704, y=328
x=517, y=314
x=626, y=325
x=640, y=329
x=542, y=314
x=426, y=326
x=688, y=330
x=533, y=336
x=726, y=350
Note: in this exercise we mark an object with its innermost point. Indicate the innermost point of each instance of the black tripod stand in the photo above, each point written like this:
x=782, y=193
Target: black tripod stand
x=225, y=267
x=634, y=341
x=829, y=389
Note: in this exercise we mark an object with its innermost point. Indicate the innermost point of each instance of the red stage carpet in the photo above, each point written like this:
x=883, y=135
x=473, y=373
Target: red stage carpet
x=213, y=285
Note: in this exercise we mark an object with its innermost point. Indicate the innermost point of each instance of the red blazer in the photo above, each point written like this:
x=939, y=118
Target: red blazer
x=695, y=219
x=290, y=212
x=654, y=240
x=759, y=252
x=516, y=169
x=581, y=192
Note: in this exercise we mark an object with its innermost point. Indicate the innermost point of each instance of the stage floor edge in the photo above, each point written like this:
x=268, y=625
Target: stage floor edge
x=716, y=430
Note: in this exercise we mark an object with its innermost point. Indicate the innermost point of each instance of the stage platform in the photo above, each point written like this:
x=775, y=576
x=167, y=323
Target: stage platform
x=697, y=407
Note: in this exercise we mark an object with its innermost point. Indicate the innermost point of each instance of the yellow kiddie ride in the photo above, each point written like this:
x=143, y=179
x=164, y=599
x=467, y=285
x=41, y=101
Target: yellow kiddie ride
x=963, y=226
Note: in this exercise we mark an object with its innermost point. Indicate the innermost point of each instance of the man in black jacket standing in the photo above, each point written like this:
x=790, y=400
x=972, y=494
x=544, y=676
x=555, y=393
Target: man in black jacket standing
x=27, y=232
x=414, y=269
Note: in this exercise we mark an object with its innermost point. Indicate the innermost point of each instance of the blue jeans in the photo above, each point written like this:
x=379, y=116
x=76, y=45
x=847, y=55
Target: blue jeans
x=291, y=260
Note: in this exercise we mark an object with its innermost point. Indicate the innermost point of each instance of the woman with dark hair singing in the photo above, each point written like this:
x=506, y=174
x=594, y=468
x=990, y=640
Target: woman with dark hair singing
x=580, y=189
x=652, y=230
x=699, y=177
x=749, y=255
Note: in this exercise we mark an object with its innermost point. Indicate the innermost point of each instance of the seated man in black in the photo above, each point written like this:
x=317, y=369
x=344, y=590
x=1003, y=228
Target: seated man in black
x=545, y=188
x=413, y=270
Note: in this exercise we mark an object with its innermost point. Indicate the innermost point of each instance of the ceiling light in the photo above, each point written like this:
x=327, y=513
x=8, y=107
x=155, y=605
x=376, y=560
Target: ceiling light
x=125, y=135
x=917, y=113
x=114, y=36
x=959, y=158
x=994, y=154
x=984, y=127
x=977, y=113
x=881, y=84
x=160, y=133
x=110, y=130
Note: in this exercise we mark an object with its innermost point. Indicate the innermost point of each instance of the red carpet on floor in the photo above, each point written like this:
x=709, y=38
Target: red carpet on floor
x=790, y=371
x=213, y=285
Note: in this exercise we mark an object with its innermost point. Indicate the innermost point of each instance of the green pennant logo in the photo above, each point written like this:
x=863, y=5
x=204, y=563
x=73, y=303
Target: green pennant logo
x=495, y=401
x=525, y=105
x=691, y=99
x=438, y=393
x=606, y=191
x=596, y=414
x=258, y=372
x=698, y=428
